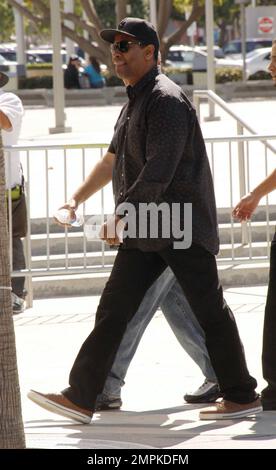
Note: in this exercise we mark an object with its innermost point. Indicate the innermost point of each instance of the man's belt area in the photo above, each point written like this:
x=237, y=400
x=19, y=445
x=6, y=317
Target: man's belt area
x=16, y=192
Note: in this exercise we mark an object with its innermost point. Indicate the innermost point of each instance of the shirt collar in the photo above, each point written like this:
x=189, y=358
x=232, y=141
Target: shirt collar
x=133, y=91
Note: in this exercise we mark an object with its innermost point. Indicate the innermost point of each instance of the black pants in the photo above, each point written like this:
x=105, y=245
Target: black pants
x=269, y=333
x=133, y=273
x=19, y=230
x=18, y=262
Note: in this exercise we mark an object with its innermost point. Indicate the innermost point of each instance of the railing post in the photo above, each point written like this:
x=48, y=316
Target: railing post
x=242, y=180
x=196, y=101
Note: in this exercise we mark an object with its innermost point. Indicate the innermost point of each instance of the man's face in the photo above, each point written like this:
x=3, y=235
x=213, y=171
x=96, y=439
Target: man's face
x=76, y=63
x=132, y=65
x=272, y=65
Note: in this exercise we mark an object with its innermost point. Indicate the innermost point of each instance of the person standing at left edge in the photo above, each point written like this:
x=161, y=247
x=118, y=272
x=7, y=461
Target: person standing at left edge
x=11, y=113
x=157, y=155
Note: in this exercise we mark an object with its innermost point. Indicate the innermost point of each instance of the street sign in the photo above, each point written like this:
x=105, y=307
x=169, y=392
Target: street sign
x=265, y=24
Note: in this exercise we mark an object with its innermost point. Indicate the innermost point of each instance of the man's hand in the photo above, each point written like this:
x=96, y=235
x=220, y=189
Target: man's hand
x=112, y=231
x=245, y=208
x=71, y=206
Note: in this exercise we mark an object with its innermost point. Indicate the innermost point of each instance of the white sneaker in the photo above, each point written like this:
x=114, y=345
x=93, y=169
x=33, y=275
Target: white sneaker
x=18, y=304
x=208, y=392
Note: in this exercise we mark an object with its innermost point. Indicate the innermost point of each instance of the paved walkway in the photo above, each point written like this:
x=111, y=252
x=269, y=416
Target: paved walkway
x=154, y=414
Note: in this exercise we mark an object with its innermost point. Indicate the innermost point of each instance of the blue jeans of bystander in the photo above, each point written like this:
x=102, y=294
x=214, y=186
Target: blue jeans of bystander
x=166, y=293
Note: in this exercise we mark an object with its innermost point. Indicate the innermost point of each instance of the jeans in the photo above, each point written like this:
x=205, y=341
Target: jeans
x=166, y=293
x=269, y=333
x=133, y=273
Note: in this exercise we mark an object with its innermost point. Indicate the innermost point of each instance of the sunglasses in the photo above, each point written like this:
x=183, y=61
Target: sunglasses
x=123, y=46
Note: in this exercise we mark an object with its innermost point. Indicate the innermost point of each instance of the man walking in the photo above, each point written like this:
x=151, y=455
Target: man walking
x=157, y=155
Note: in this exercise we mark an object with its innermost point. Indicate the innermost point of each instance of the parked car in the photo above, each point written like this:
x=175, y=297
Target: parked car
x=10, y=68
x=182, y=56
x=5, y=62
x=234, y=48
x=189, y=58
x=218, y=52
x=10, y=54
x=46, y=55
x=256, y=61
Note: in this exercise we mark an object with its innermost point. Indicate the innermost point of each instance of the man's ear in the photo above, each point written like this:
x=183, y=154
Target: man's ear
x=149, y=52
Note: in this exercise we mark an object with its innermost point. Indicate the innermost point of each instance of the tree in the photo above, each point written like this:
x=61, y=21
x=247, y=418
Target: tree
x=11, y=424
x=164, y=14
x=6, y=22
x=226, y=13
x=101, y=14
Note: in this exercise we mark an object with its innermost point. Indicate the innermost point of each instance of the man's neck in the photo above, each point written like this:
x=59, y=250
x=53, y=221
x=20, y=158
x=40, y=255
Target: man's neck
x=133, y=83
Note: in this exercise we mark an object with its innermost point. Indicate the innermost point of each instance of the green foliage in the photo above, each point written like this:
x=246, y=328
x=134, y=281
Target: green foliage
x=182, y=8
x=223, y=74
x=47, y=81
x=6, y=22
x=175, y=73
x=261, y=3
x=226, y=11
x=179, y=10
x=35, y=82
x=112, y=80
x=227, y=74
x=261, y=75
x=40, y=66
x=168, y=69
x=40, y=32
x=106, y=9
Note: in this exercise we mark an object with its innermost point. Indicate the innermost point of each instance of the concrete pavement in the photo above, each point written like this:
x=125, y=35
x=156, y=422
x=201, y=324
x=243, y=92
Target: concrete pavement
x=154, y=414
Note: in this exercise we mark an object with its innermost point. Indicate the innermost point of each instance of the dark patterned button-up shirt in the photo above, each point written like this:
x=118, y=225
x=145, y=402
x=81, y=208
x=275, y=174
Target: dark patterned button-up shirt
x=161, y=157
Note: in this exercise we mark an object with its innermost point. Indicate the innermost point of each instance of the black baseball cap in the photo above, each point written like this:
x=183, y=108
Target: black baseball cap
x=137, y=28
x=3, y=79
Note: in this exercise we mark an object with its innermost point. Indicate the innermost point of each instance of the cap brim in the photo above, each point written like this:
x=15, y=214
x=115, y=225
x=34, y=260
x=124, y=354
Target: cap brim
x=108, y=35
x=3, y=79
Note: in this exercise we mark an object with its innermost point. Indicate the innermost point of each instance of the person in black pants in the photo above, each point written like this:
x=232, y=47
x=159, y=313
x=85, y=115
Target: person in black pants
x=157, y=158
x=71, y=74
x=243, y=211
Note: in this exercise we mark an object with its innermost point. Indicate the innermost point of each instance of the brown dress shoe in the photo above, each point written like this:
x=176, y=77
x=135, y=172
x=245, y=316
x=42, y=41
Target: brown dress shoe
x=59, y=404
x=230, y=410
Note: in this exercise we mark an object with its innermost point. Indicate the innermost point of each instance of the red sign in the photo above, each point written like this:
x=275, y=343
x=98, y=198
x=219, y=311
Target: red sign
x=265, y=24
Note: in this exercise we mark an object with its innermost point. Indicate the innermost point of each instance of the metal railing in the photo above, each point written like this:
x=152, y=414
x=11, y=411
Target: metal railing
x=49, y=249
x=52, y=173
x=242, y=126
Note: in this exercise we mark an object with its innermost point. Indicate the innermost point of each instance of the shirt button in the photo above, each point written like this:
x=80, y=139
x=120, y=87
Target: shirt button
x=121, y=193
